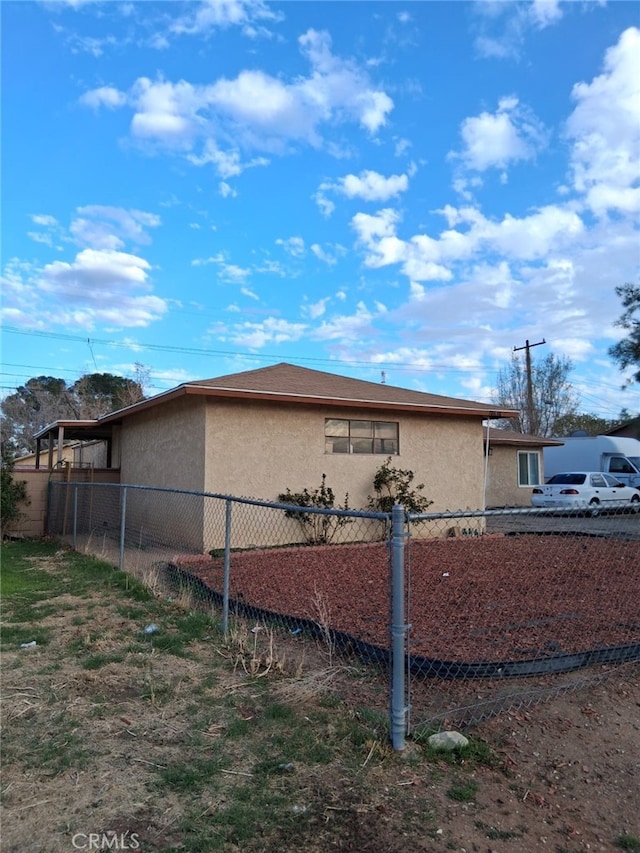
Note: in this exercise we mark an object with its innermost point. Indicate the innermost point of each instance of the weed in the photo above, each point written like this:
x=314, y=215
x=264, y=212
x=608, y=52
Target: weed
x=238, y=728
x=256, y=655
x=99, y=660
x=57, y=749
x=323, y=620
x=193, y=775
x=628, y=842
x=463, y=790
x=279, y=713
x=494, y=834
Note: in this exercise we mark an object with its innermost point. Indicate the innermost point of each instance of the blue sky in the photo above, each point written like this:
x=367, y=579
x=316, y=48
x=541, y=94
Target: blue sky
x=411, y=189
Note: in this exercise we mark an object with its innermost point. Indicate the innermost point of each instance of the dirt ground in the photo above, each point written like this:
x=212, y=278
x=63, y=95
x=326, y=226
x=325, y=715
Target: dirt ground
x=566, y=778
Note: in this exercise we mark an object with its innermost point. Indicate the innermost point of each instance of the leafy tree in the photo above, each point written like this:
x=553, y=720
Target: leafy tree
x=394, y=485
x=318, y=529
x=35, y=404
x=97, y=394
x=627, y=351
x=13, y=493
x=581, y=422
x=552, y=395
x=45, y=399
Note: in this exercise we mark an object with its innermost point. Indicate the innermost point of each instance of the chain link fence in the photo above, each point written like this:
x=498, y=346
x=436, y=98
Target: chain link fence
x=507, y=608
x=469, y=613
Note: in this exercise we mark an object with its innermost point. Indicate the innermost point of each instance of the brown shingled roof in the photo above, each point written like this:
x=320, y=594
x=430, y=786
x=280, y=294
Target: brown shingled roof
x=510, y=437
x=290, y=381
x=291, y=384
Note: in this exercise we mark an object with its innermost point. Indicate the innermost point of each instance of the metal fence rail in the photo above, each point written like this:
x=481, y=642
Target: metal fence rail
x=470, y=612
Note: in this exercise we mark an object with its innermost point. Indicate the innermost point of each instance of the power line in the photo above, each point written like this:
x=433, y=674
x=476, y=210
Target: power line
x=252, y=356
x=195, y=351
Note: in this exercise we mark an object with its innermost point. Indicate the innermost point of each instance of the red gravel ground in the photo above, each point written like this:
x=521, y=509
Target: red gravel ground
x=487, y=598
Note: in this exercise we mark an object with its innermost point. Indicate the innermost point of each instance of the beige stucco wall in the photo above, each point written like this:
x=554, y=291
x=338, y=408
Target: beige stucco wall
x=33, y=517
x=502, y=480
x=165, y=447
x=260, y=449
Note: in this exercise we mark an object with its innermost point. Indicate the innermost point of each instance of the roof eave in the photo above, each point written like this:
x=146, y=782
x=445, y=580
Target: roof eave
x=55, y=425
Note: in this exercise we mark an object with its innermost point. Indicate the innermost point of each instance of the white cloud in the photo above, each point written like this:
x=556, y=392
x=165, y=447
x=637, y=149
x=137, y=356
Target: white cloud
x=252, y=111
x=106, y=227
x=317, y=309
x=425, y=258
x=401, y=146
x=233, y=273
x=245, y=291
x=374, y=227
x=497, y=139
x=605, y=131
x=293, y=246
x=226, y=190
x=44, y=219
x=165, y=112
x=273, y=330
x=203, y=262
x=322, y=255
x=51, y=231
x=211, y=15
x=271, y=267
x=545, y=12
x=369, y=186
x=105, y=96
x=89, y=44
x=94, y=267
x=228, y=164
x=325, y=204
x=98, y=287
x=504, y=26
x=346, y=328
x=41, y=237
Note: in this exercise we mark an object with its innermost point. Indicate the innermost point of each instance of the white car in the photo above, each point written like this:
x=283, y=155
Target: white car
x=589, y=491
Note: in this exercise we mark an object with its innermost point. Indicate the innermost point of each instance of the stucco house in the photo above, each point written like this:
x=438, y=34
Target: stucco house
x=514, y=466
x=259, y=432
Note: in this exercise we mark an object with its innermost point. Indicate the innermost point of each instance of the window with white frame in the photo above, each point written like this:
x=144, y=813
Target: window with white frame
x=528, y=468
x=350, y=436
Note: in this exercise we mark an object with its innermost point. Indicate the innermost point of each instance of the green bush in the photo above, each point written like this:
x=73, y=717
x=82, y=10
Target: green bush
x=394, y=485
x=318, y=529
x=13, y=493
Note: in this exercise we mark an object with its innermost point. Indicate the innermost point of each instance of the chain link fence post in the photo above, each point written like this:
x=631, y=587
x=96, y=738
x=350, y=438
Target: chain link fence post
x=398, y=630
x=227, y=568
x=75, y=518
x=123, y=525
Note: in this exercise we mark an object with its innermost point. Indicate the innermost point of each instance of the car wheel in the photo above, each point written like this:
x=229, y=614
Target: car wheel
x=635, y=504
x=594, y=508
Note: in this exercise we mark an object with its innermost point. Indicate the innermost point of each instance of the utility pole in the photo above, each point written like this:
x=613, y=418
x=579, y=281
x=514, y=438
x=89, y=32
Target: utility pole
x=527, y=347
